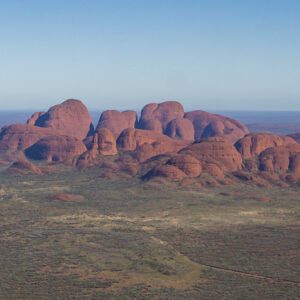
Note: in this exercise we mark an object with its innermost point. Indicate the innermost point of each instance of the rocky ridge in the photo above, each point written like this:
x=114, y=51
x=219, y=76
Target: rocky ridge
x=165, y=142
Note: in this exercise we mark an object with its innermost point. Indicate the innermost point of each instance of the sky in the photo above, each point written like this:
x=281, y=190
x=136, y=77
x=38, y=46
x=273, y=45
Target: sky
x=122, y=54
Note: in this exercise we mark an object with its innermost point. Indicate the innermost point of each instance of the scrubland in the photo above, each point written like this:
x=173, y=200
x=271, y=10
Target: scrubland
x=75, y=235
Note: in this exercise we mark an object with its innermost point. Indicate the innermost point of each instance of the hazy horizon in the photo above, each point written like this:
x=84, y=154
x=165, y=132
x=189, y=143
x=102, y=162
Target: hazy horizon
x=117, y=54
x=279, y=122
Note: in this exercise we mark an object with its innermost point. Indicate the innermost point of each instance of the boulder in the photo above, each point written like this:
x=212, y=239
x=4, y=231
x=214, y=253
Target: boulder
x=148, y=143
x=130, y=139
x=18, y=137
x=281, y=159
x=180, y=129
x=101, y=143
x=117, y=121
x=147, y=151
x=104, y=142
x=210, y=125
x=56, y=148
x=217, y=151
x=69, y=118
x=254, y=143
x=186, y=163
x=34, y=117
x=156, y=116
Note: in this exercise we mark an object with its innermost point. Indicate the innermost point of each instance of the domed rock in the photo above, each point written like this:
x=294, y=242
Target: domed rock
x=218, y=151
x=18, y=137
x=117, y=121
x=102, y=143
x=254, y=143
x=210, y=125
x=148, y=143
x=147, y=151
x=34, y=117
x=168, y=171
x=70, y=118
x=281, y=158
x=132, y=138
x=56, y=148
x=156, y=116
x=186, y=163
x=105, y=142
x=180, y=129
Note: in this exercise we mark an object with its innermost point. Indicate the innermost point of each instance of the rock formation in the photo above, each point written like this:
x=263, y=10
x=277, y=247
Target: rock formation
x=180, y=129
x=166, y=143
x=186, y=163
x=34, y=117
x=156, y=116
x=117, y=121
x=18, y=137
x=281, y=158
x=69, y=118
x=104, y=142
x=254, y=143
x=218, y=151
x=169, y=118
x=148, y=143
x=210, y=125
x=56, y=149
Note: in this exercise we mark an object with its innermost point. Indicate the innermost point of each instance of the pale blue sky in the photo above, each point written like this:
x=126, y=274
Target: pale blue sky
x=122, y=54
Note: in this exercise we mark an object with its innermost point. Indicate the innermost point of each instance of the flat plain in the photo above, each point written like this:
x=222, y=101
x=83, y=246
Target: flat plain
x=75, y=235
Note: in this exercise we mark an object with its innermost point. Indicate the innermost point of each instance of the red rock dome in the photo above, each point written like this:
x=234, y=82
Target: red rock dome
x=70, y=118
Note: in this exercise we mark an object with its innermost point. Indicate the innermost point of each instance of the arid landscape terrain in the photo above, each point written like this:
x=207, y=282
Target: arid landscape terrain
x=79, y=234
x=149, y=150
x=168, y=205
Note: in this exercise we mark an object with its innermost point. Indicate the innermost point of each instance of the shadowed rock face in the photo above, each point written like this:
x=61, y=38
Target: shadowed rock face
x=34, y=117
x=157, y=116
x=56, y=148
x=132, y=138
x=281, y=158
x=148, y=143
x=117, y=121
x=186, y=163
x=104, y=142
x=70, y=118
x=18, y=137
x=254, y=143
x=168, y=171
x=210, y=125
x=180, y=128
